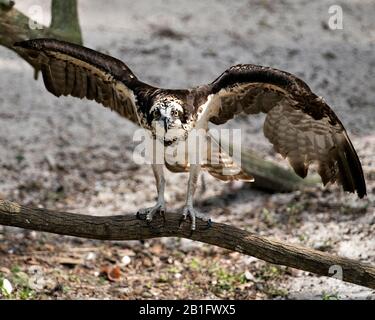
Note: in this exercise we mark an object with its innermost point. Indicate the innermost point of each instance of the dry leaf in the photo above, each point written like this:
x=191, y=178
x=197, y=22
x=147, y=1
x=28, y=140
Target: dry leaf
x=4, y=270
x=156, y=249
x=112, y=274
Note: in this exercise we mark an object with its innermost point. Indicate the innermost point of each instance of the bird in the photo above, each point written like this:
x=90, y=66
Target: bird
x=298, y=123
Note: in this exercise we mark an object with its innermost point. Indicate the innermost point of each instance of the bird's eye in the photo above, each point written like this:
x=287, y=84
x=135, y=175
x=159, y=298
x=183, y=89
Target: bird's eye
x=175, y=113
x=156, y=113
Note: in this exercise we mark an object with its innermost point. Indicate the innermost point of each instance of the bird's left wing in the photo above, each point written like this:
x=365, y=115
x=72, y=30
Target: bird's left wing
x=70, y=69
x=299, y=124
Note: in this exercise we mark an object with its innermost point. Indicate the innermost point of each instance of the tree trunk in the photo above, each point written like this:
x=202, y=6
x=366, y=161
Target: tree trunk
x=65, y=19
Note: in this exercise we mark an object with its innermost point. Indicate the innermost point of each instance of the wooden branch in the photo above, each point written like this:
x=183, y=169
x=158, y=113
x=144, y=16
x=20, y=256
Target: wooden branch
x=129, y=227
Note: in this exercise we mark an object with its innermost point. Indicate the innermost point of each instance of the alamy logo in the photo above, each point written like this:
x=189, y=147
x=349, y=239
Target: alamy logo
x=336, y=271
x=215, y=147
x=335, y=21
x=36, y=14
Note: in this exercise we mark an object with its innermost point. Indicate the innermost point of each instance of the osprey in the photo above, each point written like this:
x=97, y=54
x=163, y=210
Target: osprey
x=299, y=124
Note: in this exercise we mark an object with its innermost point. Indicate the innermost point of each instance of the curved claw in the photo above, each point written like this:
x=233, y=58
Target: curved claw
x=209, y=224
x=148, y=213
x=194, y=214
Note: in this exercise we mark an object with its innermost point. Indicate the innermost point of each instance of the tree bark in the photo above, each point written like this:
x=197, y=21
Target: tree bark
x=131, y=227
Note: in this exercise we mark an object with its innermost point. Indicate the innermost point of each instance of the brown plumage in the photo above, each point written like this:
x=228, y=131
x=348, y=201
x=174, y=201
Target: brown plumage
x=218, y=163
x=70, y=69
x=299, y=124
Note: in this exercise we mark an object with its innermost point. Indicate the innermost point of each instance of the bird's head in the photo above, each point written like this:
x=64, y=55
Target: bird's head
x=168, y=121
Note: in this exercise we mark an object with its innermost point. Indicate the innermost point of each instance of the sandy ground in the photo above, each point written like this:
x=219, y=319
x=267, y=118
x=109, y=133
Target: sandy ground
x=76, y=155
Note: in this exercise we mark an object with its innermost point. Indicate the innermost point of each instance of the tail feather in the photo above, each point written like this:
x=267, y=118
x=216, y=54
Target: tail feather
x=227, y=170
x=222, y=166
x=217, y=163
x=224, y=170
x=350, y=169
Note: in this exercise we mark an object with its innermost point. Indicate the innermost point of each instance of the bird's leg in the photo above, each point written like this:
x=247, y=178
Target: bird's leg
x=148, y=213
x=188, y=209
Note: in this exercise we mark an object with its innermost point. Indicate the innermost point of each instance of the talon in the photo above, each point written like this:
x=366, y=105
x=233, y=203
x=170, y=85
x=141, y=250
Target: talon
x=192, y=223
x=182, y=219
x=193, y=214
x=150, y=212
x=191, y=232
x=162, y=213
x=209, y=224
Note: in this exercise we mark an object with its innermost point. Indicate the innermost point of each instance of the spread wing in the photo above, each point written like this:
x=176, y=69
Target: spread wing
x=70, y=69
x=299, y=124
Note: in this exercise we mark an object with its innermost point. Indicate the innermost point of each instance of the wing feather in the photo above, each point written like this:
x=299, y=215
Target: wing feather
x=70, y=80
x=70, y=69
x=299, y=124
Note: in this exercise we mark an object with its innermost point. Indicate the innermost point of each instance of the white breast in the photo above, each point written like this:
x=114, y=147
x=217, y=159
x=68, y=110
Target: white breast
x=207, y=110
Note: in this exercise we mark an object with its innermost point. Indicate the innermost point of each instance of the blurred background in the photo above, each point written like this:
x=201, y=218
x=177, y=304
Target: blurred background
x=76, y=155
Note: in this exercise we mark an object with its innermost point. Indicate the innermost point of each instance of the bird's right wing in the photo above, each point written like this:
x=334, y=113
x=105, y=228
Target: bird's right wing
x=70, y=69
x=300, y=125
